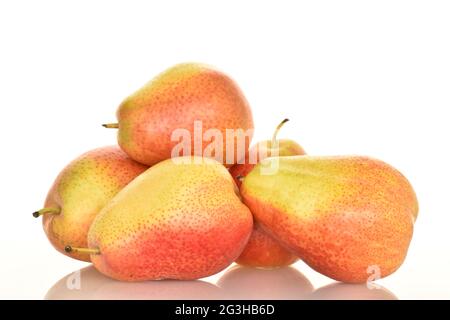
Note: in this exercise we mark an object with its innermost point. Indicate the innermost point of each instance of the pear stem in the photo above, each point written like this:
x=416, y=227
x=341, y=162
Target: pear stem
x=43, y=211
x=70, y=249
x=274, y=137
x=111, y=125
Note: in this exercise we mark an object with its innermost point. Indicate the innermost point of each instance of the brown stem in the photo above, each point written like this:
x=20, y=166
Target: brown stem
x=43, y=211
x=111, y=125
x=274, y=137
x=70, y=249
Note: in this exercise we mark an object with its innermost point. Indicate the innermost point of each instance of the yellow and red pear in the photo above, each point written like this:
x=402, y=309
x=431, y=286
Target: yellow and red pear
x=181, y=219
x=346, y=216
x=80, y=191
x=176, y=99
x=262, y=250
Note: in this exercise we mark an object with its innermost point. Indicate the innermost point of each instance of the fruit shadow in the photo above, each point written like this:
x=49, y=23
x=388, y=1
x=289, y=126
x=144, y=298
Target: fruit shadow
x=288, y=283
x=245, y=283
x=237, y=283
x=89, y=284
x=348, y=291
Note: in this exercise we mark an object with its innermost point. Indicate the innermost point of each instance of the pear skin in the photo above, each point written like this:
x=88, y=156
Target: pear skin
x=181, y=219
x=174, y=100
x=262, y=150
x=346, y=217
x=80, y=191
x=262, y=250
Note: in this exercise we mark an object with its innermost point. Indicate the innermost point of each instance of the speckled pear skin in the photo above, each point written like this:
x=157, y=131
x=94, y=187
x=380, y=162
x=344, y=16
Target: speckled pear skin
x=175, y=99
x=285, y=148
x=262, y=250
x=175, y=221
x=81, y=190
x=340, y=215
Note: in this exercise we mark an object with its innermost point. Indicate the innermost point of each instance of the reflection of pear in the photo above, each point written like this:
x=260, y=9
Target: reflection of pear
x=80, y=284
x=345, y=291
x=93, y=286
x=247, y=283
x=158, y=290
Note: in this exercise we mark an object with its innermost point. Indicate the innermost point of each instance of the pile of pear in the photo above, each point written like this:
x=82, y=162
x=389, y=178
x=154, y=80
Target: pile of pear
x=139, y=213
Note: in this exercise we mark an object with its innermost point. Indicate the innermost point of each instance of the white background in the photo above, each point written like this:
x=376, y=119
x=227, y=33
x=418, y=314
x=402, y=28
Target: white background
x=354, y=77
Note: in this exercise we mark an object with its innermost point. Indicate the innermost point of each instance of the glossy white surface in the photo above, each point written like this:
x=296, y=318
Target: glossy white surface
x=354, y=77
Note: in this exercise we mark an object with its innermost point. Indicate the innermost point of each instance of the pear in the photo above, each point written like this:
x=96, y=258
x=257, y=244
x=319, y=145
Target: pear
x=262, y=250
x=181, y=219
x=79, y=192
x=350, y=218
x=174, y=110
